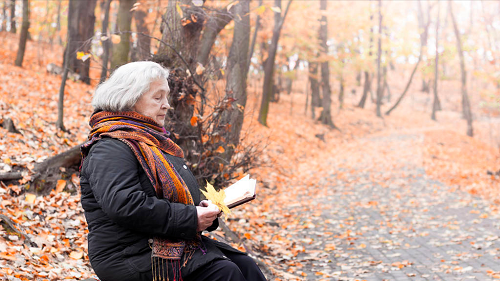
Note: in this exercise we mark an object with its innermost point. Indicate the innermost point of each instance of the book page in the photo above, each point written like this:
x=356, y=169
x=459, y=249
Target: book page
x=240, y=190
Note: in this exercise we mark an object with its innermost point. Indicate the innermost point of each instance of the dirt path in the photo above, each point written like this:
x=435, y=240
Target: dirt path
x=381, y=218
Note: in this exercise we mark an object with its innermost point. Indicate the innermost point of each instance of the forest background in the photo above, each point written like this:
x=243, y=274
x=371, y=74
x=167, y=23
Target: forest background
x=271, y=88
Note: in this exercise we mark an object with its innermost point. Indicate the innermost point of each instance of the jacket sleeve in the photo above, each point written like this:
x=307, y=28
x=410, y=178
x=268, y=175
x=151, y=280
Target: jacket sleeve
x=113, y=173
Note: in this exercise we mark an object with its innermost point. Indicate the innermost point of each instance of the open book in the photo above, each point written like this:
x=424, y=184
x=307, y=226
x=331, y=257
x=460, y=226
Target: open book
x=240, y=192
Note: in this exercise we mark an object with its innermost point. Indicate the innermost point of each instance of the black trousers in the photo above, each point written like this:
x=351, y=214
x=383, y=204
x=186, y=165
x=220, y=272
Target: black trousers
x=239, y=268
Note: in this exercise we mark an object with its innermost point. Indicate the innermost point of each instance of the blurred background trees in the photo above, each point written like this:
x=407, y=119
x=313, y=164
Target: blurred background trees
x=379, y=52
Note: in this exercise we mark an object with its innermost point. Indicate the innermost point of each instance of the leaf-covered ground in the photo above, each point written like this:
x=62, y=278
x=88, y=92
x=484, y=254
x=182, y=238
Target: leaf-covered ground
x=317, y=188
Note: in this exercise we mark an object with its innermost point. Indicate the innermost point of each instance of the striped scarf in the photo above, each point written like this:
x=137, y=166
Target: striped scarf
x=148, y=140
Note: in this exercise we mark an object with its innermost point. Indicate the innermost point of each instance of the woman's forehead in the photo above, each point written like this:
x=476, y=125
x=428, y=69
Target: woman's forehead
x=160, y=84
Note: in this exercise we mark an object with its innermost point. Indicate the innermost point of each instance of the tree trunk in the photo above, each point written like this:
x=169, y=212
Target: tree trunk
x=436, y=105
x=267, y=89
x=291, y=74
x=254, y=38
x=379, y=58
x=465, y=98
x=143, y=38
x=24, y=33
x=215, y=24
x=341, y=92
x=181, y=33
x=420, y=57
x=366, y=89
x=82, y=25
x=13, y=28
x=237, y=74
x=426, y=85
x=60, y=104
x=4, y=16
x=358, y=77
x=407, y=86
x=106, y=44
x=368, y=78
x=313, y=81
x=386, y=86
x=326, y=116
x=423, y=25
x=123, y=23
x=58, y=23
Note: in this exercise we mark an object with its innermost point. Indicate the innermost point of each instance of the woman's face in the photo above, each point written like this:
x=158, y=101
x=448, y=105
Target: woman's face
x=154, y=102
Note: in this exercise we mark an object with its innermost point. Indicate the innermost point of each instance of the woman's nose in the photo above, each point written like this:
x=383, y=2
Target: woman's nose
x=165, y=104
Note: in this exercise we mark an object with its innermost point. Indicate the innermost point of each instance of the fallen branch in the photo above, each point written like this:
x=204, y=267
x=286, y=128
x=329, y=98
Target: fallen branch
x=47, y=172
x=231, y=234
x=68, y=158
x=8, y=125
x=14, y=228
x=11, y=176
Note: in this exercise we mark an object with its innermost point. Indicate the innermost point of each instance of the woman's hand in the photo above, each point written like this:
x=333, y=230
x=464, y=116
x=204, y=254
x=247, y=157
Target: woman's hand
x=207, y=213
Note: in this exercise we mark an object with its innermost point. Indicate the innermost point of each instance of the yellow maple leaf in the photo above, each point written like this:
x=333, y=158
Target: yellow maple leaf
x=80, y=55
x=217, y=198
x=260, y=10
x=179, y=10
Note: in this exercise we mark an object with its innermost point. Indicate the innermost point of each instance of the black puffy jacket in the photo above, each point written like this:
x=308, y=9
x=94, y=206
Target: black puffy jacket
x=123, y=213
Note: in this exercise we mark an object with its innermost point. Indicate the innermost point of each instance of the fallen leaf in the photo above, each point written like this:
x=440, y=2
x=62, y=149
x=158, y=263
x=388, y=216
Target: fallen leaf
x=179, y=10
x=220, y=149
x=115, y=39
x=61, y=184
x=30, y=198
x=276, y=9
x=194, y=121
x=76, y=255
x=200, y=69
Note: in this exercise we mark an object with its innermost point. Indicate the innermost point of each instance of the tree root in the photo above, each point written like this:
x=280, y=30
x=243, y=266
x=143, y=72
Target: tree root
x=12, y=227
x=11, y=176
x=235, y=238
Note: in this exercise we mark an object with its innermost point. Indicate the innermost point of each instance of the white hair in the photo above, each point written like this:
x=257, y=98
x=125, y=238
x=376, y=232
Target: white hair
x=126, y=85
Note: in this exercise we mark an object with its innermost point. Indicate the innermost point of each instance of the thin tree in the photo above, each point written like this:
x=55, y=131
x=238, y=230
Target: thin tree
x=4, y=16
x=423, y=24
x=326, y=115
x=267, y=89
x=379, y=59
x=106, y=44
x=340, y=50
x=420, y=57
x=313, y=81
x=254, y=37
x=58, y=23
x=368, y=80
x=124, y=22
x=60, y=104
x=24, y=33
x=465, y=97
x=13, y=27
x=436, y=105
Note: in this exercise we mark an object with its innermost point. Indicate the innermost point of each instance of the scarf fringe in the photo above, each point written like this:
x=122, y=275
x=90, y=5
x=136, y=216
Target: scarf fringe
x=166, y=270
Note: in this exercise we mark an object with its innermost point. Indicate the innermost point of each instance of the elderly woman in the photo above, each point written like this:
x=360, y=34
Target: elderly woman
x=141, y=202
